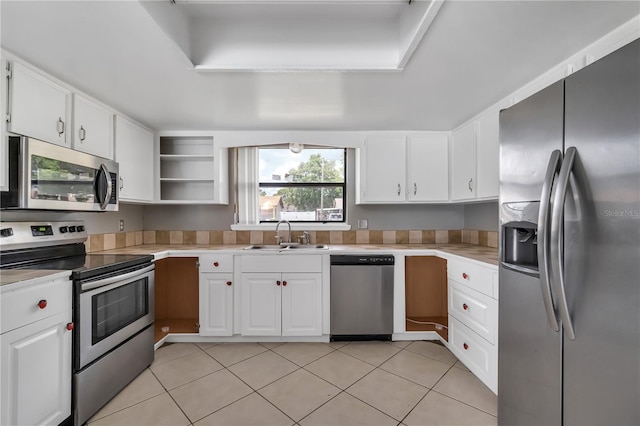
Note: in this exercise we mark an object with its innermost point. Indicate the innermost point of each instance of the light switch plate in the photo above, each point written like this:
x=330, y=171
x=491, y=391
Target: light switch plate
x=363, y=224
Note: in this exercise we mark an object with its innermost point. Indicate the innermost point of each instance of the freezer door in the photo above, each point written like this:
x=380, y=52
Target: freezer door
x=529, y=351
x=529, y=132
x=601, y=242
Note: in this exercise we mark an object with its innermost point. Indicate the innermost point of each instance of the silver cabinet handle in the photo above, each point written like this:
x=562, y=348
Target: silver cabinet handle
x=557, y=268
x=415, y=188
x=470, y=182
x=543, y=238
x=399, y=189
x=60, y=126
x=82, y=133
x=121, y=183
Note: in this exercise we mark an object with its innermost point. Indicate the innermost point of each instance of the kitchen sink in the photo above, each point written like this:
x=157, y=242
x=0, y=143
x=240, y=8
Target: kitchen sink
x=289, y=246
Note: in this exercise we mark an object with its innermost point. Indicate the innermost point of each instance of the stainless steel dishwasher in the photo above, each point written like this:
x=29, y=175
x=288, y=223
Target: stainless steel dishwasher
x=362, y=297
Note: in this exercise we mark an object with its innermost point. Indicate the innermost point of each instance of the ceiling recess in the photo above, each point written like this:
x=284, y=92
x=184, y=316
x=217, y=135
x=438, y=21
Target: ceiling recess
x=311, y=35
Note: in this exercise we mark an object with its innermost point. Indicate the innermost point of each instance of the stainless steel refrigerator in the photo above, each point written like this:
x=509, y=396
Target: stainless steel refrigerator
x=569, y=317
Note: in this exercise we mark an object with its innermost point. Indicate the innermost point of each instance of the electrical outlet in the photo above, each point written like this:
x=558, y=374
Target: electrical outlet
x=363, y=224
x=122, y=224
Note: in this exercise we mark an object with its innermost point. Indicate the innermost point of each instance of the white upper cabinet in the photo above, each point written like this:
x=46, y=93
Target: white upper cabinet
x=463, y=162
x=428, y=172
x=397, y=169
x=383, y=169
x=488, y=155
x=4, y=152
x=475, y=161
x=92, y=128
x=134, y=153
x=38, y=107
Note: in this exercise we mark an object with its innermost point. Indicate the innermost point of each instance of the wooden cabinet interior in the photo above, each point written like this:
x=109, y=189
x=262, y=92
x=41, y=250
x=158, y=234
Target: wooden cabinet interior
x=176, y=296
x=426, y=294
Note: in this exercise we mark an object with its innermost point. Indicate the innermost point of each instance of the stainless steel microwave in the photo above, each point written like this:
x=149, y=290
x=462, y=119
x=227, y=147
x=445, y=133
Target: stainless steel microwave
x=45, y=176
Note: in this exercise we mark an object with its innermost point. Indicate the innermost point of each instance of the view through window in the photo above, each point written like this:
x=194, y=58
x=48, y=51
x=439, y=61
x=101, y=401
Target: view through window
x=309, y=186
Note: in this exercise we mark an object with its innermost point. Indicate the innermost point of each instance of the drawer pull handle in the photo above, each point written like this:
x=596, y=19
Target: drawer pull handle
x=42, y=304
x=465, y=276
x=277, y=282
x=284, y=283
x=216, y=264
x=465, y=346
x=229, y=283
x=70, y=326
x=465, y=306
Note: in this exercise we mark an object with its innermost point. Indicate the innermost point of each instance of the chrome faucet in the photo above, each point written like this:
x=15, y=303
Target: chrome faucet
x=278, y=237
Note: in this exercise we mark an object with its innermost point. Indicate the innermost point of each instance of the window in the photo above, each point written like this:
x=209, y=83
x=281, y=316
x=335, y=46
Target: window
x=308, y=186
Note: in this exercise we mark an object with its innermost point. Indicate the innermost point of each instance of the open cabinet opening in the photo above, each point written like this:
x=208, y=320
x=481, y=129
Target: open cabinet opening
x=176, y=296
x=426, y=294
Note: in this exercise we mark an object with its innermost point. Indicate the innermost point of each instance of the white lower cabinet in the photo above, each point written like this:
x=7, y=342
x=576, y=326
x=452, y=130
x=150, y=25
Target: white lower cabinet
x=35, y=354
x=216, y=294
x=216, y=304
x=473, y=318
x=281, y=304
x=281, y=295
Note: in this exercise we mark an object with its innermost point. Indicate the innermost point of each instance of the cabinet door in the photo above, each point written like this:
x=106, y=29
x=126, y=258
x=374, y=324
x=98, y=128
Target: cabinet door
x=38, y=106
x=428, y=173
x=134, y=153
x=463, y=163
x=384, y=169
x=4, y=146
x=261, y=304
x=216, y=304
x=93, y=128
x=36, y=372
x=301, y=304
x=488, y=156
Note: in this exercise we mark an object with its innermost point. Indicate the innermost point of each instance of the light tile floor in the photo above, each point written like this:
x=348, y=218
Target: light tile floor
x=357, y=383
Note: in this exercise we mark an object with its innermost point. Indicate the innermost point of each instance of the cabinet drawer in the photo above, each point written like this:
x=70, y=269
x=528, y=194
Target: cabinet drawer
x=216, y=263
x=475, y=276
x=480, y=356
x=282, y=263
x=20, y=306
x=476, y=310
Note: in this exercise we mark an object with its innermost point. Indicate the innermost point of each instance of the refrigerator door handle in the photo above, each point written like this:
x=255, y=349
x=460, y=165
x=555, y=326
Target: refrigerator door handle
x=555, y=240
x=544, y=216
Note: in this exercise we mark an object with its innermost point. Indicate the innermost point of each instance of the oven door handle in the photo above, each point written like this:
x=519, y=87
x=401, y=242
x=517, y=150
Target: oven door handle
x=106, y=281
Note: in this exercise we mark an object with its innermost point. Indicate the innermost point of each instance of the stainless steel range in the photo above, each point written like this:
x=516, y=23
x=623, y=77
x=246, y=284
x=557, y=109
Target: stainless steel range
x=113, y=306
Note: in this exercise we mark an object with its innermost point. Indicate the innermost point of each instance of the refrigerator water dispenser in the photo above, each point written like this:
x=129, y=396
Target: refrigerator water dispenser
x=520, y=246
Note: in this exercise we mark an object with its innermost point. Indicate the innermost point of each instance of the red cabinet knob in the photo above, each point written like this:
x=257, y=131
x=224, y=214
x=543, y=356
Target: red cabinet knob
x=216, y=264
x=464, y=275
x=70, y=326
x=465, y=306
x=284, y=283
x=228, y=282
x=465, y=346
x=277, y=282
x=42, y=304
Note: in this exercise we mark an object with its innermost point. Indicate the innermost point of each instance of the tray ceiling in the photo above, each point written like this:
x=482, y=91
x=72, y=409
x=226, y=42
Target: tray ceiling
x=270, y=35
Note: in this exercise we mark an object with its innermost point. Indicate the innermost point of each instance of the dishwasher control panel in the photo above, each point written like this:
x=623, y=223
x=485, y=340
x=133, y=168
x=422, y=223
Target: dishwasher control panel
x=354, y=259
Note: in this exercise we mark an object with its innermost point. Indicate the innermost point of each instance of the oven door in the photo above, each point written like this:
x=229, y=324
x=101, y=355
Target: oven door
x=112, y=310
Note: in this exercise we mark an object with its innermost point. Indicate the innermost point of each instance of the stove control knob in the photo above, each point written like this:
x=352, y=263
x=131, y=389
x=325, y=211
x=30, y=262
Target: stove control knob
x=64, y=229
x=72, y=229
x=42, y=304
x=80, y=228
x=6, y=232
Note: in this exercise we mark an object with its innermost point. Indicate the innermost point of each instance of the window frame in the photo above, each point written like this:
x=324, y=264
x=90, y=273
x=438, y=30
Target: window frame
x=286, y=184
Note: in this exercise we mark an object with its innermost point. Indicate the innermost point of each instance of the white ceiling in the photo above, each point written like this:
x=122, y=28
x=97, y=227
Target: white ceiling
x=474, y=54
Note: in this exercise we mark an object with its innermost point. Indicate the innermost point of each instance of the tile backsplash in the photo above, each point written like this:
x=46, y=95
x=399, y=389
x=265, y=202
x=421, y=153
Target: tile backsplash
x=99, y=242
